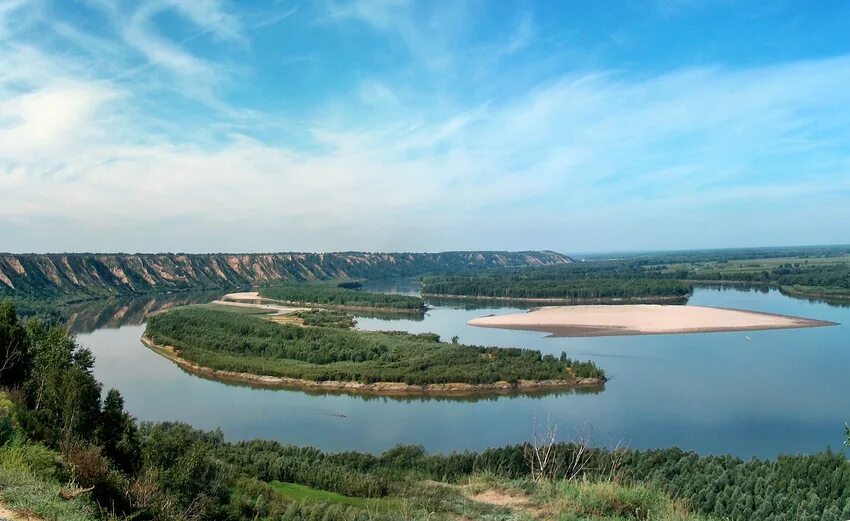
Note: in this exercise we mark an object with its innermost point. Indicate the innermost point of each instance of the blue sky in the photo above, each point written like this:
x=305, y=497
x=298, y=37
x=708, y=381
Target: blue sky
x=207, y=125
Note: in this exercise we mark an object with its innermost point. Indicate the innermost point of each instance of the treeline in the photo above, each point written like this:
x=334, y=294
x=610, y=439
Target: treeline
x=233, y=342
x=334, y=295
x=729, y=254
x=594, y=280
x=826, y=277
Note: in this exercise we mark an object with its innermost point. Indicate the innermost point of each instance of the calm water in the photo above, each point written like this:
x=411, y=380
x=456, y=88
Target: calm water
x=783, y=391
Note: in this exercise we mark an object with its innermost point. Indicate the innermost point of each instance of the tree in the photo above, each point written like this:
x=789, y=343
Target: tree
x=118, y=433
x=14, y=348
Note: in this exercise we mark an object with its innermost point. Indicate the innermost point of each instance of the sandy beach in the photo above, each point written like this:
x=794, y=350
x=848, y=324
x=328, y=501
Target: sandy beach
x=641, y=319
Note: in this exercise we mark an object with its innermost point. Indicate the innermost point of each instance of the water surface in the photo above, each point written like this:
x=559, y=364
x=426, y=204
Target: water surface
x=781, y=391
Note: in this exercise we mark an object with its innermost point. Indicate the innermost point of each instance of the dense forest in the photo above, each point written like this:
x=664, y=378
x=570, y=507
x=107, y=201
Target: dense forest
x=68, y=452
x=329, y=294
x=573, y=282
x=821, y=272
x=235, y=342
x=80, y=276
x=796, y=278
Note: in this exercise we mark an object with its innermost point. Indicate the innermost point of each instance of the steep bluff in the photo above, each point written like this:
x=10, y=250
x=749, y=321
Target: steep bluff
x=87, y=275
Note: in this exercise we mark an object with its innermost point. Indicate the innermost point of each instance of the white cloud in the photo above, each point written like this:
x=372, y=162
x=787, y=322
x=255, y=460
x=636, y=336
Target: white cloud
x=580, y=150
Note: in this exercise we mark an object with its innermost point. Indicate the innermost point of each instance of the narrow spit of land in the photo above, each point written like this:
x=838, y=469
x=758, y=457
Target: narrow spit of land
x=319, y=350
x=642, y=319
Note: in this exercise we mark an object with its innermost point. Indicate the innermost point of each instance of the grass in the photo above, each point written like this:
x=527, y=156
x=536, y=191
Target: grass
x=29, y=483
x=579, y=500
x=488, y=497
x=297, y=492
x=30, y=477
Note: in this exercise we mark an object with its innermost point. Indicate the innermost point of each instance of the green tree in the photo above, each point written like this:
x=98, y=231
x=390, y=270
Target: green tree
x=118, y=433
x=14, y=348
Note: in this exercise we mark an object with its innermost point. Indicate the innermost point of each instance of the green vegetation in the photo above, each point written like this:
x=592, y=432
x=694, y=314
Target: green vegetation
x=326, y=318
x=228, y=341
x=573, y=282
x=336, y=296
x=59, y=439
x=828, y=279
x=816, y=272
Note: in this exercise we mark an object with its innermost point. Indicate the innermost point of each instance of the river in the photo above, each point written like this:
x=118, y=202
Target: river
x=759, y=393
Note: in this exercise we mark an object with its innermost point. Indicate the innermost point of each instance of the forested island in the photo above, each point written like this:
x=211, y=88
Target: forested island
x=341, y=295
x=69, y=454
x=248, y=348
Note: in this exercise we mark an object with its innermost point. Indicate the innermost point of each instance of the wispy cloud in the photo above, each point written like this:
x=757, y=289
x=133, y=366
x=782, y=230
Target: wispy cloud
x=591, y=155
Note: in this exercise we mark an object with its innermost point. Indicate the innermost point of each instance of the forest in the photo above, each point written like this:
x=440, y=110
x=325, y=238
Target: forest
x=571, y=282
x=797, y=278
x=235, y=342
x=816, y=272
x=341, y=295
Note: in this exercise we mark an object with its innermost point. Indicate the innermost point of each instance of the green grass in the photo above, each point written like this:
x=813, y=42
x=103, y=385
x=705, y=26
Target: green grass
x=29, y=482
x=581, y=500
x=295, y=492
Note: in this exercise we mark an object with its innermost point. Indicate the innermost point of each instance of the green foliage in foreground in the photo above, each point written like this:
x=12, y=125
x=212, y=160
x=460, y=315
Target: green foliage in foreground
x=329, y=294
x=791, y=488
x=596, y=280
x=233, y=342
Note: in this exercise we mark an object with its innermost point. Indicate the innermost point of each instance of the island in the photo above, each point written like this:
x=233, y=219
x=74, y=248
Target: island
x=318, y=350
x=342, y=295
x=641, y=319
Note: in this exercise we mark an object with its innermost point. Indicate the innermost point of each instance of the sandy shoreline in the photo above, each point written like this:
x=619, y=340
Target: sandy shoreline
x=642, y=319
x=253, y=298
x=376, y=388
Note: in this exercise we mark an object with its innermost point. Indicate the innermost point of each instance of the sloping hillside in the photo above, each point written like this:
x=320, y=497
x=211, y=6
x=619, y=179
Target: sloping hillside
x=86, y=275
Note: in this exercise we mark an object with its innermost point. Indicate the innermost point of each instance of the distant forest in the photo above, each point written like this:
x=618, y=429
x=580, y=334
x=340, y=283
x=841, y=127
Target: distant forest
x=591, y=280
x=341, y=295
x=820, y=272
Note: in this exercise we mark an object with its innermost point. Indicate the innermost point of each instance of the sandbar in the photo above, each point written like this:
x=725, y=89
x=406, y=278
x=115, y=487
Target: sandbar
x=642, y=319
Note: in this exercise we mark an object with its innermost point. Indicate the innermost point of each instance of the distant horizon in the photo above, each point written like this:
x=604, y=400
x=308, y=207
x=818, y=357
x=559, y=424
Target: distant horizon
x=566, y=253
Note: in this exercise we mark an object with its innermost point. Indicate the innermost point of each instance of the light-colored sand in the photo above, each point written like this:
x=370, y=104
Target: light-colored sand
x=245, y=295
x=641, y=319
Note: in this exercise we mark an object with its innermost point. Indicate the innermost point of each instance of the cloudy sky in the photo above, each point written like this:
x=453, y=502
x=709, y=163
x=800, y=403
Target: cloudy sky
x=207, y=125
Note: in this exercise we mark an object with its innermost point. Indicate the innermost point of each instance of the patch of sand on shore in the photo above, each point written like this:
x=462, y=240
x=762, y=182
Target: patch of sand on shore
x=244, y=295
x=641, y=319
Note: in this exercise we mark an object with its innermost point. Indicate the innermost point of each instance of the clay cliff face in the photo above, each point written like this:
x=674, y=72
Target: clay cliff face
x=84, y=275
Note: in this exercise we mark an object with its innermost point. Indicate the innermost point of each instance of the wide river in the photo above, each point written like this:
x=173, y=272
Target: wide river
x=759, y=393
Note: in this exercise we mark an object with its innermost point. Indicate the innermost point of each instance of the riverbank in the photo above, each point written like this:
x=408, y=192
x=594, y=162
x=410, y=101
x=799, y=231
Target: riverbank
x=375, y=388
x=253, y=298
x=642, y=319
